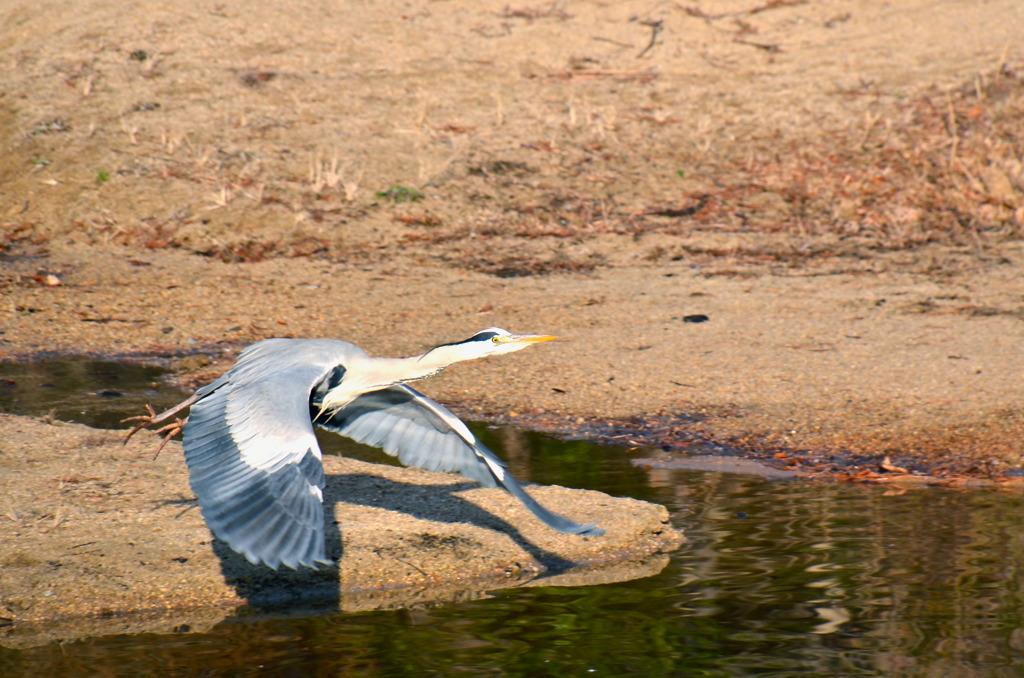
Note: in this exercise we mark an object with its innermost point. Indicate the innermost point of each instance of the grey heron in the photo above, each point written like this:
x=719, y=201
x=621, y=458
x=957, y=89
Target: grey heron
x=252, y=455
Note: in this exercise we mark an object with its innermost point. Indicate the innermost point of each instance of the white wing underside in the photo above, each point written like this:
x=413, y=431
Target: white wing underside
x=423, y=433
x=419, y=431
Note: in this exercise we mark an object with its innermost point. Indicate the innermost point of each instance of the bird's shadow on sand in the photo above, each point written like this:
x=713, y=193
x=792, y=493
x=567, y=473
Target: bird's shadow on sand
x=268, y=590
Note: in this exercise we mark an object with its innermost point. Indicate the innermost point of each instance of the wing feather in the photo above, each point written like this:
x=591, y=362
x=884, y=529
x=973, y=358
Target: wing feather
x=423, y=433
x=253, y=459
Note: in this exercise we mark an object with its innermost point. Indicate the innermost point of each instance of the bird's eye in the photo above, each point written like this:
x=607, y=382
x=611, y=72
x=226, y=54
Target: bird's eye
x=495, y=340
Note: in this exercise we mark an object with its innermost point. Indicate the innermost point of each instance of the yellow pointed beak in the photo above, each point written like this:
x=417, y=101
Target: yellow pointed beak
x=532, y=338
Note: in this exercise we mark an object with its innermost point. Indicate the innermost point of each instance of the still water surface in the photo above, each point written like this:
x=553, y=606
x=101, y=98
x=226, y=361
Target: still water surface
x=778, y=578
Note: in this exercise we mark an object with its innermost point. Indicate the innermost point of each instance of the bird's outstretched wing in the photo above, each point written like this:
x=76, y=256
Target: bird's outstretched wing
x=252, y=456
x=423, y=433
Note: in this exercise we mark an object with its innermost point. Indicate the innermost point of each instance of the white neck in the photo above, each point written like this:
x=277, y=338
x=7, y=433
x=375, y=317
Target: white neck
x=378, y=373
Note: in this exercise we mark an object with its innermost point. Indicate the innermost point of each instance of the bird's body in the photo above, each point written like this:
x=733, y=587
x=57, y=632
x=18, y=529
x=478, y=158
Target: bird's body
x=253, y=459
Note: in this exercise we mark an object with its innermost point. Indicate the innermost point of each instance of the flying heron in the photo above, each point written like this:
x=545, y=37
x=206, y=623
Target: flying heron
x=253, y=458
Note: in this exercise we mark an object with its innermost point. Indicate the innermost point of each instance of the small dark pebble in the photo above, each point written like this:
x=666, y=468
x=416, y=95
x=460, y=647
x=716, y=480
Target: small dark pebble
x=741, y=514
x=696, y=318
x=110, y=394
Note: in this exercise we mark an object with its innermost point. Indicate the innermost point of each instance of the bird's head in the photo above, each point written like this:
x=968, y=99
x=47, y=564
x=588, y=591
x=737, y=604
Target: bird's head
x=492, y=341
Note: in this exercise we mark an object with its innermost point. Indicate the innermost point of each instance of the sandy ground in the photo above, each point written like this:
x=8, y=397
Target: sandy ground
x=838, y=186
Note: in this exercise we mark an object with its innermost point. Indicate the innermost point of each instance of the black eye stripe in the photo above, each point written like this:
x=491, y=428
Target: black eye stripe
x=483, y=336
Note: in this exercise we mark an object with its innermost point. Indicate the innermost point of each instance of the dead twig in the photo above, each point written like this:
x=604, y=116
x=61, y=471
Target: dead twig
x=776, y=4
x=951, y=122
x=702, y=201
x=603, y=73
x=656, y=27
x=771, y=4
x=550, y=11
x=599, y=38
x=773, y=49
x=699, y=13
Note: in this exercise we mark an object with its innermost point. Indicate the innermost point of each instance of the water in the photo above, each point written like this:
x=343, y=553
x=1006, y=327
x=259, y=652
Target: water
x=98, y=393
x=778, y=578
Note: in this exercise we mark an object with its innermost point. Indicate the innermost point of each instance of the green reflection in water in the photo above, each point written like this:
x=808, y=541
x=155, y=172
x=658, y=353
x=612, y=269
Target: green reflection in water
x=785, y=578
